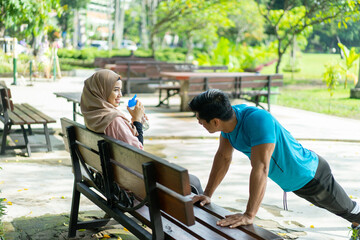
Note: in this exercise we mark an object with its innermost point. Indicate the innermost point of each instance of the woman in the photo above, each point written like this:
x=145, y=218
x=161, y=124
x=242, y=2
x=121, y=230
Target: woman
x=100, y=97
x=99, y=101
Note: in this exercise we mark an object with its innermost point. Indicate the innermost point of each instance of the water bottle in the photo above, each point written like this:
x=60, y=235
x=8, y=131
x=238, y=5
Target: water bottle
x=145, y=123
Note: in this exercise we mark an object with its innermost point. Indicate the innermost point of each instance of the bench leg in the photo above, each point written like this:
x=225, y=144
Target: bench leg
x=47, y=137
x=74, y=111
x=74, y=212
x=6, y=131
x=30, y=130
x=160, y=102
x=27, y=144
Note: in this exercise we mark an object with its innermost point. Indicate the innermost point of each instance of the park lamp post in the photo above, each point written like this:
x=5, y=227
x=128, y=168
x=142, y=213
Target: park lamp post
x=355, y=92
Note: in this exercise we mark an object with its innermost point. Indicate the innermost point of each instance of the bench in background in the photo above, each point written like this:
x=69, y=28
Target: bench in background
x=123, y=180
x=21, y=115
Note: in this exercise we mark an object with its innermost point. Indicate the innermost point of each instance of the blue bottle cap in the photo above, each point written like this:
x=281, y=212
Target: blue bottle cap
x=132, y=102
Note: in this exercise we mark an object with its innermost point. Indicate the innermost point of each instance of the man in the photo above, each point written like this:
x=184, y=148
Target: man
x=274, y=153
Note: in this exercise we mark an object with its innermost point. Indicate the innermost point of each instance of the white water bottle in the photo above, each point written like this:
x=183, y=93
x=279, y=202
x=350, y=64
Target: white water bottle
x=145, y=123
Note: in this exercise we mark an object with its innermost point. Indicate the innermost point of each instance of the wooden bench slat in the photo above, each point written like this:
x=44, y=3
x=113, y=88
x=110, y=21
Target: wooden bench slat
x=210, y=220
x=175, y=230
x=16, y=120
x=18, y=111
x=254, y=230
x=41, y=114
x=31, y=115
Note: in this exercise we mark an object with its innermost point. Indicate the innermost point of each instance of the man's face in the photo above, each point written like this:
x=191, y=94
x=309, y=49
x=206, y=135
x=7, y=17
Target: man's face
x=209, y=126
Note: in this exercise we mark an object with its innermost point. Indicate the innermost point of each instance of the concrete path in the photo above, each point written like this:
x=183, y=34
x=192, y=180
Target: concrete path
x=42, y=184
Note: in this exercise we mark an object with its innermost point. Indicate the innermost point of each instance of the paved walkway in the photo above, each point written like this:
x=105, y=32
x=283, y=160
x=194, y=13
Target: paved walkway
x=42, y=184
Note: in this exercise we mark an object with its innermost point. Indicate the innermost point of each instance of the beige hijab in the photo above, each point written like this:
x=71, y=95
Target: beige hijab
x=98, y=112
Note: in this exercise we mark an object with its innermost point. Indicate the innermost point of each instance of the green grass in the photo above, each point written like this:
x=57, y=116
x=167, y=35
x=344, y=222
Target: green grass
x=317, y=99
x=306, y=90
x=311, y=67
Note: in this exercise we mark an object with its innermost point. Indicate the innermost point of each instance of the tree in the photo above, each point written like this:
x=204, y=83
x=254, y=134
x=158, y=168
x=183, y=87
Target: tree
x=169, y=12
x=32, y=14
x=248, y=25
x=202, y=24
x=287, y=19
x=66, y=17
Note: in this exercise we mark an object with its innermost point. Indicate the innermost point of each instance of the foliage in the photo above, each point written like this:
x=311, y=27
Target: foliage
x=350, y=58
x=237, y=58
x=34, y=14
x=332, y=76
x=66, y=16
x=293, y=18
x=168, y=13
x=248, y=25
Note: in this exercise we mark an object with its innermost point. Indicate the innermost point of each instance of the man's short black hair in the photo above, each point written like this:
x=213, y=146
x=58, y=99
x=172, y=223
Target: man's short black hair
x=212, y=104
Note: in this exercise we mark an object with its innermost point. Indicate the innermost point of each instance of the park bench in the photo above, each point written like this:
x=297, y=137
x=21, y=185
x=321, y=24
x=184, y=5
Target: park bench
x=252, y=87
x=135, y=187
x=21, y=115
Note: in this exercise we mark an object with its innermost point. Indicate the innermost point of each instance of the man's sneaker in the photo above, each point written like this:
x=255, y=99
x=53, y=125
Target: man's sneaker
x=355, y=235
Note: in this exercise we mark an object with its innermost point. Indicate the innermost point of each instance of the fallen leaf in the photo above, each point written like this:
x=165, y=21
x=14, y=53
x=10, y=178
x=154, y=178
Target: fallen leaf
x=312, y=226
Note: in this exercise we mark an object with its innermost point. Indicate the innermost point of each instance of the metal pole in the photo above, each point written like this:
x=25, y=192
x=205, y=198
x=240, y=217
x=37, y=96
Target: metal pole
x=14, y=62
x=31, y=65
x=54, y=63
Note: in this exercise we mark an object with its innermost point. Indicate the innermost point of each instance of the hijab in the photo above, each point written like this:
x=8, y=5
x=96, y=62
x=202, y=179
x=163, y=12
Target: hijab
x=97, y=111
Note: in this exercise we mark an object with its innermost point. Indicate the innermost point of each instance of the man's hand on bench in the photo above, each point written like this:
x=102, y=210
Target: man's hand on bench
x=235, y=220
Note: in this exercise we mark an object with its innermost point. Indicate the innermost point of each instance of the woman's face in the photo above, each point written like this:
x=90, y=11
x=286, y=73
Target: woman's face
x=115, y=94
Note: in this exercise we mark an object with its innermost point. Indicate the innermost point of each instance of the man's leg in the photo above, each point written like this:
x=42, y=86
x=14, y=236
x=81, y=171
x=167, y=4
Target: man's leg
x=323, y=191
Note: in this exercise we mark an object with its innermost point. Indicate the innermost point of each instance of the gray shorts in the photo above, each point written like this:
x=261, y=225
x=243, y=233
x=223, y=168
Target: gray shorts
x=323, y=191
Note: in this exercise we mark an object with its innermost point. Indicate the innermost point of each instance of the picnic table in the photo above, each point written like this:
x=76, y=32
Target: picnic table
x=73, y=97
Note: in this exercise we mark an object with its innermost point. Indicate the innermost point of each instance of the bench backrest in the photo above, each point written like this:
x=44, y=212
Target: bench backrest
x=233, y=85
x=6, y=99
x=101, y=62
x=173, y=186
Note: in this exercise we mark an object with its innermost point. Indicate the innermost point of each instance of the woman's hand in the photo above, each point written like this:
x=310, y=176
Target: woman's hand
x=137, y=113
x=203, y=199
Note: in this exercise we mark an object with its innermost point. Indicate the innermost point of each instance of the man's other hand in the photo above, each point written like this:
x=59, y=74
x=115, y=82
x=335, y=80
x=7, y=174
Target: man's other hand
x=203, y=199
x=235, y=220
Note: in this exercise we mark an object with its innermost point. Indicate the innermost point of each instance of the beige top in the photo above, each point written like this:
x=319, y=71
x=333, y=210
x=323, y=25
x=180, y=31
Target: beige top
x=98, y=112
x=118, y=129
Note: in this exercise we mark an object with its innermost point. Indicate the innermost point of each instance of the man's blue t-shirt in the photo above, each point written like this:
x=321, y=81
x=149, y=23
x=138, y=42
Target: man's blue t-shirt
x=291, y=166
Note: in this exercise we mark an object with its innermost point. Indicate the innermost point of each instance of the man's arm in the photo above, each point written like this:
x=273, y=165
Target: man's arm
x=219, y=169
x=260, y=161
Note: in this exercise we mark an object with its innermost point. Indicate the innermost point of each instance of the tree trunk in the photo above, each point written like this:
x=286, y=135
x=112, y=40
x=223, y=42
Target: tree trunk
x=280, y=54
x=144, y=33
x=153, y=23
x=189, y=45
x=76, y=28
x=117, y=39
x=110, y=5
